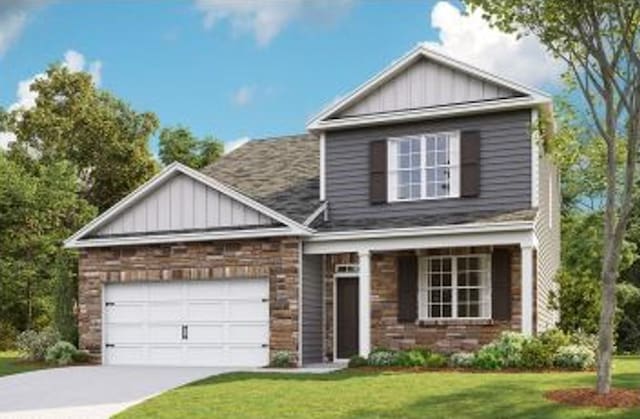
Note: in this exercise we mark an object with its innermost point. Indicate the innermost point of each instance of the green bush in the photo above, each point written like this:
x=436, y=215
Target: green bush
x=412, y=358
x=383, y=358
x=357, y=361
x=488, y=358
x=61, y=353
x=553, y=339
x=436, y=360
x=82, y=357
x=536, y=354
x=34, y=345
x=581, y=338
x=575, y=357
x=8, y=335
x=462, y=360
x=283, y=359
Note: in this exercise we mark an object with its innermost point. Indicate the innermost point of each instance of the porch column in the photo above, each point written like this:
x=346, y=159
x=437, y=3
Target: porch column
x=527, y=275
x=364, y=303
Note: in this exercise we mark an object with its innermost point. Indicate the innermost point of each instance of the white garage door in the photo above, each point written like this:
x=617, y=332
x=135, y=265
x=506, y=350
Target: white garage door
x=190, y=323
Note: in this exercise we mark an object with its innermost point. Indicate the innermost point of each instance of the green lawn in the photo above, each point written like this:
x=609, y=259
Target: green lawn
x=11, y=364
x=353, y=394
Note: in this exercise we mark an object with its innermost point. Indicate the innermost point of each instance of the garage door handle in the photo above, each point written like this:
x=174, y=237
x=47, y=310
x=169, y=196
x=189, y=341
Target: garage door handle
x=185, y=332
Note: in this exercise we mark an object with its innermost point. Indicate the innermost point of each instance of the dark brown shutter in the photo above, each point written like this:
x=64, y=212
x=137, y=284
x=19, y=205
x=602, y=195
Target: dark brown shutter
x=469, y=164
x=501, y=284
x=407, y=288
x=378, y=172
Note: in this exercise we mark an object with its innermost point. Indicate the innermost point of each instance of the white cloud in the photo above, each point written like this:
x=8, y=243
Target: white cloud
x=243, y=96
x=13, y=16
x=265, y=19
x=74, y=61
x=469, y=38
x=6, y=138
x=232, y=145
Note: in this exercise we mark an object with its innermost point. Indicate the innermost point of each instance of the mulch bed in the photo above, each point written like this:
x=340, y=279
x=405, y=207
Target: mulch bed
x=588, y=397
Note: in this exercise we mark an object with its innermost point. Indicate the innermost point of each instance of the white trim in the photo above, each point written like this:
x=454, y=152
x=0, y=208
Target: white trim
x=535, y=159
x=323, y=195
x=76, y=239
x=322, y=208
x=103, y=327
x=182, y=237
x=405, y=61
x=364, y=303
x=527, y=274
x=334, y=307
x=300, y=302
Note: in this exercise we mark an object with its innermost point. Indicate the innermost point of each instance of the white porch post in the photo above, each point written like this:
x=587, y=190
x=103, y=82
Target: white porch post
x=527, y=275
x=364, y=303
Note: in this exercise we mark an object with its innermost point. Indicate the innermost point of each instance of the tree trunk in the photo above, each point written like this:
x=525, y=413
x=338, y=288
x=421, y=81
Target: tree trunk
x=605, y=335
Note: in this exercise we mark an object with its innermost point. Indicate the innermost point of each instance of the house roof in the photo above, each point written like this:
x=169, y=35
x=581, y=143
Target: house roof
x=281, y=173
x=426, y=221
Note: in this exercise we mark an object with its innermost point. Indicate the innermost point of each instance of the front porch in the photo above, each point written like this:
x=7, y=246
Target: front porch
x=463, y=296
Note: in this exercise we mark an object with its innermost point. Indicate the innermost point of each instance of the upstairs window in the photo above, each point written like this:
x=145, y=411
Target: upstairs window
x=424, y=166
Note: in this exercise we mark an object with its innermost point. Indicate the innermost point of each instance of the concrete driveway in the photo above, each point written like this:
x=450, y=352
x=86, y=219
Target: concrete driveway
x=88, y=392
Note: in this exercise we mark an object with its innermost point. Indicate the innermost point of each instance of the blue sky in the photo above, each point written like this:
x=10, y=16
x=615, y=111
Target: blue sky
x=237, y=69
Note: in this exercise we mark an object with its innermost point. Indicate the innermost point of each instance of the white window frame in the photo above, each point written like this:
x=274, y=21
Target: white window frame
x=423, y=287
x=454, y=166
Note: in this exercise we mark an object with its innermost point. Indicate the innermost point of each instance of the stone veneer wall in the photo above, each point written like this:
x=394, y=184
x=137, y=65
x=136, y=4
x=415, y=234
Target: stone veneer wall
x=273, y=258
x=387, y=332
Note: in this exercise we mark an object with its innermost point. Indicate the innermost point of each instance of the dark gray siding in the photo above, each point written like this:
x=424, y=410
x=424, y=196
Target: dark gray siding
x=505, y=167
x=311, y=309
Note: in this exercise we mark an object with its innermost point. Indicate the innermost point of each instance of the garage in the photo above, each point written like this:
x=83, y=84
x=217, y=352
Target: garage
x=187, y=323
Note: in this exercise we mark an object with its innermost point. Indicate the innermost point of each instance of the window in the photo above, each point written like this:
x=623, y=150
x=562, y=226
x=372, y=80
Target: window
x=455, y=287
x=424, y=166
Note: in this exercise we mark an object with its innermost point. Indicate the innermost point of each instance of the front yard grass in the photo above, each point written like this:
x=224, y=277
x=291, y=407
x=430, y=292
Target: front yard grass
x=10, y=363
x=356, y=394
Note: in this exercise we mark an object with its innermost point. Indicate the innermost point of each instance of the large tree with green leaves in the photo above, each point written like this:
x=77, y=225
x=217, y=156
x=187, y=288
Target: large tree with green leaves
x=599, y=40
x=179, y=144
x=103, y=137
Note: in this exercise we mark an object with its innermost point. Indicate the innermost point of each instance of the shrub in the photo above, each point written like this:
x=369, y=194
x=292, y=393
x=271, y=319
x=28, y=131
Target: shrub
x=462, y=360
x=383, y=358
x=61, y=353
x=357, y=361
x=8, y=335
x=504, y=352
x=581, y=338
x=283, y=359
x=536, y=354
x=553, y=339
x=575, y=357
x=488, y=358
x=82, y=357
x=34, y=345
x=412, y=358
x=436, y=360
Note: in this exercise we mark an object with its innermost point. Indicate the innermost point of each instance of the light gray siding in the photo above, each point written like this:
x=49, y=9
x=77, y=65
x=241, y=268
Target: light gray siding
x=183, y=203
x=312, y=298
x=426, y=83
x=505, y=168
x=547, y=229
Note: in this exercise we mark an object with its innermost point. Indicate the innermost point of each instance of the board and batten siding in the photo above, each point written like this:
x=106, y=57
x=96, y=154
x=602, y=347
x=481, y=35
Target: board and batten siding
x=505, y=167
x=547, y=230
x=425, y=84
x=183, y=203
x=312, y=310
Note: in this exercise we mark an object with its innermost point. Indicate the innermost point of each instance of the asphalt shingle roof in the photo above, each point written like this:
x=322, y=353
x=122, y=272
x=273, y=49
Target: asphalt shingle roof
x=280, y=173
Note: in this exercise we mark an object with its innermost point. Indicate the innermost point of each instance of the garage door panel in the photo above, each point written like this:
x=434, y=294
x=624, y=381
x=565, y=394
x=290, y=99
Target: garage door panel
x=126, y=333
x=215, y=289
x=206, y=333
x=125, y=312
x=165, y=291
x=205, y=355
x=165, y=311
x=247, y=355
x=248, y=310
x=248, y=289
x=248, y=333
x=165, y=355
x=206, y=311
x=126, y=292
x=126, y=355
x=164, y=333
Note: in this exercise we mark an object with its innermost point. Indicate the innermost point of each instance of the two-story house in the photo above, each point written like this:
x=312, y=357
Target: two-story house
x=418, y=211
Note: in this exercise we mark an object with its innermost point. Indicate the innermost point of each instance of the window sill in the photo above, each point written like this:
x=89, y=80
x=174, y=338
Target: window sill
x=455, y=322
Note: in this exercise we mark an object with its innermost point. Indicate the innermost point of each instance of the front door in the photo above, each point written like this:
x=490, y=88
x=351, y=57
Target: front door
x=347, y=317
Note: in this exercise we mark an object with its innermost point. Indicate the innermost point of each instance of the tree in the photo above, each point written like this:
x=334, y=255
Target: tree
x=105, y=140
x=599, y=40
x=179, y=144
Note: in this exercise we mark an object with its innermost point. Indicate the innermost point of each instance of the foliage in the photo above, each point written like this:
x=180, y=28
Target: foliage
x=283, y=359
x=507, y=348
x=179, y=144
x=61, y=353
x=411, y=358
x=65, y=294
x=575, y=357
x=33, y=345
x=462, y=360
x=81, y=357
x=8, y=334
x=103, y=137
x=436, y=360
x=553, y=339
x=536, y=354
x=383, y=358
x=488, y=358
x=356, y=361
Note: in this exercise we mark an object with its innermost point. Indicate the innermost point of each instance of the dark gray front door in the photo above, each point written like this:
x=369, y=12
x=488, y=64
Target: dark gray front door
x=347, y=317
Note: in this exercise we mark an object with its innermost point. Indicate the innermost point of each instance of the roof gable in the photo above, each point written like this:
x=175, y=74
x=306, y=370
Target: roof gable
x=421, y=83
x=180, y=201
